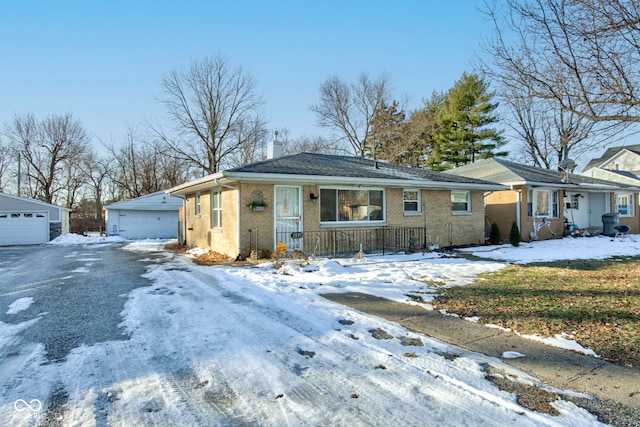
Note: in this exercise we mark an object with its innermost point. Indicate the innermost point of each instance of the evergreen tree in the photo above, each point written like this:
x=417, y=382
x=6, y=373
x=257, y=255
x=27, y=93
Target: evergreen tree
x=494, y=234
x=514, y=234
x=386, y=140
x=427, y=126
x=462, y=134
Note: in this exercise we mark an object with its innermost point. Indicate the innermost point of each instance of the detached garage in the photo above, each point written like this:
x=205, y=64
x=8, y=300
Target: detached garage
x=30, y=222
x=154, y=216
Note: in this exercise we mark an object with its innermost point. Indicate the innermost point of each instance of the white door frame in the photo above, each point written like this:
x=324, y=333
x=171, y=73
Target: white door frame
x=281, y=216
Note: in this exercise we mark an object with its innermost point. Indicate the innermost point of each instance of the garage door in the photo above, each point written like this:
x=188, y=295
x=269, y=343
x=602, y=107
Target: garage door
x=24, y=228
x=148, y=224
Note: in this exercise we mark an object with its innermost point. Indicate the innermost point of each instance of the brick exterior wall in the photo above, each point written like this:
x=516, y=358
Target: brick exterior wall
x=257, y=230
x=502, y=208
x=198, y=230
x=447, y=228
x=256, y=227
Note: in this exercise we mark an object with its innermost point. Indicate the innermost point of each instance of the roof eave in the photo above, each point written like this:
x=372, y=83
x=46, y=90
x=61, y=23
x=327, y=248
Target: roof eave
x=340, y=180
x=229, y=177
x=576, y=186
x=195, y=185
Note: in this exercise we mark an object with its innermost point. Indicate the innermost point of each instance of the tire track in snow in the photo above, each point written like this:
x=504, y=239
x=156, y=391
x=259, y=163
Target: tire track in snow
x=313, y=391
x=266, y=339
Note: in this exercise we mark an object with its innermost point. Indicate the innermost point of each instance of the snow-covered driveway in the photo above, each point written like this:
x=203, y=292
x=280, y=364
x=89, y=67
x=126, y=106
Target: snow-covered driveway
x=230, y=346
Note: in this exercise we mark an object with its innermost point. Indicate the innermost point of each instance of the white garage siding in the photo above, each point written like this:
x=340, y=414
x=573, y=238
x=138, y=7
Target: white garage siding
x=132, y=224
x=24, y=228
x=154, y=216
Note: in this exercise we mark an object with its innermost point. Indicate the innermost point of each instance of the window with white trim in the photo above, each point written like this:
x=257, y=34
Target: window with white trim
x=574, y=202
x=542, y=204
x=216, y=209
x=624, y=204
x=460, y=202
x=411, y=201
x=197, y=204
x=351, y=205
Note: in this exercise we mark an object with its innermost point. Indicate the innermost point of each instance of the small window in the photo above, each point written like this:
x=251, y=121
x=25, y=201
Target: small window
x=216, y=209
x=27, y=215
x=411, y=201
x=3, y=216
x=624, y=204
x=574, y=202
x=460, y=202
x=197, y=210
x=15, y=215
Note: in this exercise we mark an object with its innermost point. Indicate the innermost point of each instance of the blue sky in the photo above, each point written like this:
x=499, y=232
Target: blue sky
x=103, y=61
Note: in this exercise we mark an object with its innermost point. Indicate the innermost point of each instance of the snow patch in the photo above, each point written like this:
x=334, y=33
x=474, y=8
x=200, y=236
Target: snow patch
x=20, y=305
x=562, y=341
x=512, y=355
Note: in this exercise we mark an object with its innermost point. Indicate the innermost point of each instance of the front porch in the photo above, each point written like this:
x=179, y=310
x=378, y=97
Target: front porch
x=338, y=242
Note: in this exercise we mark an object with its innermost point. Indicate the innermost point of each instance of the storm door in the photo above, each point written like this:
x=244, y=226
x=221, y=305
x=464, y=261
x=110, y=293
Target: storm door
x=288, y=217
x=597, y=208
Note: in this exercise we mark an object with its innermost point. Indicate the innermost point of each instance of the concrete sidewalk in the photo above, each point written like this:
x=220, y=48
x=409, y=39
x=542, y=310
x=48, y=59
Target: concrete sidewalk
x=553, y=366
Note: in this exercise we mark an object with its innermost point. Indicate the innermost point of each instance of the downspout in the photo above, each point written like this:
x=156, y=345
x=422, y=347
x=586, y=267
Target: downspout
x=239, y=212
x=518, y=206
x=184, y=215
x=486, y=214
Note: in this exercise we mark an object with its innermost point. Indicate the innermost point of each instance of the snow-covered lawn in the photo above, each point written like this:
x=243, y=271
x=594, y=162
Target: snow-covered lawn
x=228, y=345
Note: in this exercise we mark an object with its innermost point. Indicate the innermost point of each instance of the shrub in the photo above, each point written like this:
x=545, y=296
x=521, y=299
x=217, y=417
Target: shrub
x=494, y=234
x=514, y=235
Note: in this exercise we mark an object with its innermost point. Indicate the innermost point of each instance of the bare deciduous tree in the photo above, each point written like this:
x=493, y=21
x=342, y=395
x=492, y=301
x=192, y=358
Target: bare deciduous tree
x=211, y=105
x=349, y=108
x=582, y=54
x=50, y=149
x=548, y=58
x=550, y=136
x=140, y=168
x=316, y=144
x=96, y=170
x=6, y=159
x=250, y=138
x=391, y=138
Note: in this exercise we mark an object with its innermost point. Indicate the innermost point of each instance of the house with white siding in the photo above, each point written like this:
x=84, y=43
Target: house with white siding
x=28, y=222
x=153, y=216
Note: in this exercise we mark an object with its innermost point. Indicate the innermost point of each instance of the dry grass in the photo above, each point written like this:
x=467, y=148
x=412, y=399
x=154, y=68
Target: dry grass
x=597, y=302
x=208, y=258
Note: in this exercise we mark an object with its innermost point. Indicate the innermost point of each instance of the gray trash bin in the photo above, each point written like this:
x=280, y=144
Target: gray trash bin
x=609, y=222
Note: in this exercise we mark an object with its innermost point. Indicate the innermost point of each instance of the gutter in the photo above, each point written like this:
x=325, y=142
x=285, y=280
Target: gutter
x=341, y=180
x=272, y=178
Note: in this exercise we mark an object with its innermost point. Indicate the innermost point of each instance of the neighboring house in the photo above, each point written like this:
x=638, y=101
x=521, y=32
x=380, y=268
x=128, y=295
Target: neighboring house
x=325, y=204
x=618, y=164
x=28, y=222
x=552, y=201
x=154, y=216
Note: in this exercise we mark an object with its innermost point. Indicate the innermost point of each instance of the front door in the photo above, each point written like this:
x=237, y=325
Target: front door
x=288, y=217
x=597, y=208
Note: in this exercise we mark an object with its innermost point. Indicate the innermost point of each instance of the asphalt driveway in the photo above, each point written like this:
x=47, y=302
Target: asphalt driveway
x=78, y=292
